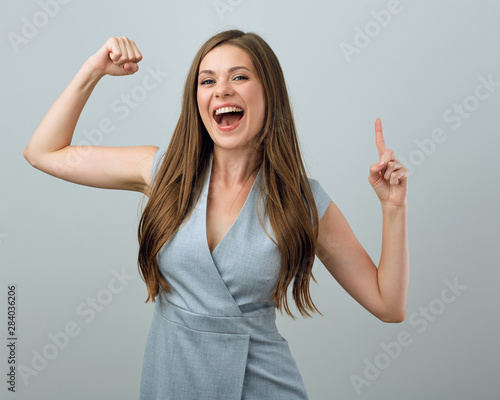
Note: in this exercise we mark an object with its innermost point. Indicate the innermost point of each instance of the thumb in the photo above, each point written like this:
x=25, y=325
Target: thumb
x=130, y=67
x=375, y=170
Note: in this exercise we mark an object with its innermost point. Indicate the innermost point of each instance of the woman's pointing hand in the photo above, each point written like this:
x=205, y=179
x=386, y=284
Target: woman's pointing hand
x=388, y=177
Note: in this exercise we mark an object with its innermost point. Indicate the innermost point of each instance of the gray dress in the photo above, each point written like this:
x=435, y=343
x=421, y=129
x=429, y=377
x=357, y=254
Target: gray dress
x=214, y=335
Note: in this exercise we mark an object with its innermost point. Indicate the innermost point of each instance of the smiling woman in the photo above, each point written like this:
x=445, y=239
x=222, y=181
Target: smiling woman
x=227, y=72
x=211, y=179
x=232, y=221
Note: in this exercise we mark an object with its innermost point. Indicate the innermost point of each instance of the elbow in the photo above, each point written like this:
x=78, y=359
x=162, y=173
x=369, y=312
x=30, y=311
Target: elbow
x=396, y=320
x=394, y=317
x=28, y=155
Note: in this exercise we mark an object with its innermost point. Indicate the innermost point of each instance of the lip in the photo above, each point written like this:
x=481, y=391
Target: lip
x=229, y=127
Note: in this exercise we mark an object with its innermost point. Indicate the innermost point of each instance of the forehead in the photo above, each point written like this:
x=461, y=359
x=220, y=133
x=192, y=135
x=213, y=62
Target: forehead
x=224, y=57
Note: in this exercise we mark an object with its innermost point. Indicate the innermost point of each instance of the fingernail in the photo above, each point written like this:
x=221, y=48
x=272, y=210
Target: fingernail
x=380, y=164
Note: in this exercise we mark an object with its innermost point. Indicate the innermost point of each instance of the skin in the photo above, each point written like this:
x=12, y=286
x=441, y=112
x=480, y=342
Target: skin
x=381, y=290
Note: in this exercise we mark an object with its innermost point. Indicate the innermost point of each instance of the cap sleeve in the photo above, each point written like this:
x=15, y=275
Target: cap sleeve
x=320, y=197
x=156, y=164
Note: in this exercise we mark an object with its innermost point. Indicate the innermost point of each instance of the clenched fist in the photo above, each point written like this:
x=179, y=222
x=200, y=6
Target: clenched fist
x=118, y=56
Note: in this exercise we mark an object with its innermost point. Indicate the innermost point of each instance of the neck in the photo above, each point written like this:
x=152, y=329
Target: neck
x=235, y=167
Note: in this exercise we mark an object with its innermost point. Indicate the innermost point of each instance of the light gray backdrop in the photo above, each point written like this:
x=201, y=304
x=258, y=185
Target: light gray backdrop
x=428, y=69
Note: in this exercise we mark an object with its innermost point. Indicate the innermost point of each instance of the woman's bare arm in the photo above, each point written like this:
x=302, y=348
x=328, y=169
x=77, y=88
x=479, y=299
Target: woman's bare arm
x=50, y=149
x=383, y=291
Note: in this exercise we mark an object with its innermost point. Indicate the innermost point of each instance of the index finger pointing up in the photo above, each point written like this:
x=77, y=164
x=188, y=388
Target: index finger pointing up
x=379, y=137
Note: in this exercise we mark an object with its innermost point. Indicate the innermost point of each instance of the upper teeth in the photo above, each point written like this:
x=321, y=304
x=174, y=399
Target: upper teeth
x=224, y=110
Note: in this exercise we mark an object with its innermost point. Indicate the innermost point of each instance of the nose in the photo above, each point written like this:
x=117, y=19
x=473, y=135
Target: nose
x=223, y=89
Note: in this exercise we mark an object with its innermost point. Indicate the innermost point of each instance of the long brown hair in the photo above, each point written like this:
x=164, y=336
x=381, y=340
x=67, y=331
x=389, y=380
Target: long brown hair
x=290, y=203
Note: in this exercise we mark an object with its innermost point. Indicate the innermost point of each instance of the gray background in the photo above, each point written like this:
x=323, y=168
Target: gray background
x=62, y=243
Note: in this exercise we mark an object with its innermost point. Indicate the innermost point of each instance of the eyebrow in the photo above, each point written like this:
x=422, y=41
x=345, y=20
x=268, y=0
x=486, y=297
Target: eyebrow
x=232, y=69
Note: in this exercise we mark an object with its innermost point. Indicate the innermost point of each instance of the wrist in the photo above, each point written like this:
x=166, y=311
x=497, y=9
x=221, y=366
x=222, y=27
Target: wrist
x=394, y=208
x=90, y=72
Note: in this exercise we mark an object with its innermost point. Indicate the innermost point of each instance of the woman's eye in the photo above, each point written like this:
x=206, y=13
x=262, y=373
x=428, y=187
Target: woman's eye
x=207, y=82
x=210, y=81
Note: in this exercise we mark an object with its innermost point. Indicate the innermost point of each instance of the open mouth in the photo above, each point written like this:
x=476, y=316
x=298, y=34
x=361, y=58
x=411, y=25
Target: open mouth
x=228, y=116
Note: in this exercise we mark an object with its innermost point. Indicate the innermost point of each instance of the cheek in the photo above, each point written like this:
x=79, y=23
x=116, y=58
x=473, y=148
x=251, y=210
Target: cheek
x=262, y=104
x=202, y=107
x=262, y=110
x=259, y=103
x=202, y=98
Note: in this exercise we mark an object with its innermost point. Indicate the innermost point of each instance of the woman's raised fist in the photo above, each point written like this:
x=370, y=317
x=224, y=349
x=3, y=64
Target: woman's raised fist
x=118, y=56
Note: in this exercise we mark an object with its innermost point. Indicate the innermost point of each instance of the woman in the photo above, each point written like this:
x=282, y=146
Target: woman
x=231, y=223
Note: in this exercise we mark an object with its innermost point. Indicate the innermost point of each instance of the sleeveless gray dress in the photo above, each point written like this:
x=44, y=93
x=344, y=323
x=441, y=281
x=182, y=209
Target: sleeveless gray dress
x=214, y=337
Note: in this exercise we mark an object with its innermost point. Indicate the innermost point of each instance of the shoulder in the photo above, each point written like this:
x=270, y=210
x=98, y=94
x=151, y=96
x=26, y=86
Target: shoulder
x=321, y=197
x=314, y=183
x=149, y=165
x=157, y=160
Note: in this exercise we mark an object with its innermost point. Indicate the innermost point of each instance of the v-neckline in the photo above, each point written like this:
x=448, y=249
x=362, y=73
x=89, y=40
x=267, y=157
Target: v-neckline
x=206, y=190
